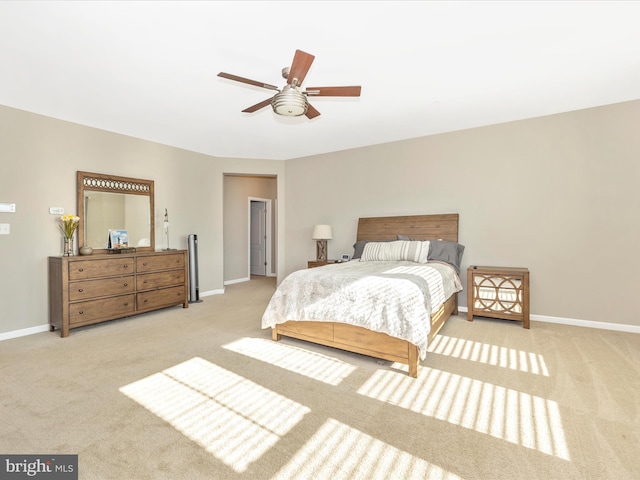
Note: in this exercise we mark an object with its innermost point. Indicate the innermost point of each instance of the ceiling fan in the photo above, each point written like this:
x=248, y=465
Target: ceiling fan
x=291, y=101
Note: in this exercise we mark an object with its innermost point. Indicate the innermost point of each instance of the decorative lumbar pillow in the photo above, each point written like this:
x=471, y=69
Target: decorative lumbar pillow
x=443, y=251
x=413, y=251
x=358, y=247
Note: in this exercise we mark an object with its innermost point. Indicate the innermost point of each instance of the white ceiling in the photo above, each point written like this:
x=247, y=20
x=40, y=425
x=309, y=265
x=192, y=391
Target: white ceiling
x=149, y=69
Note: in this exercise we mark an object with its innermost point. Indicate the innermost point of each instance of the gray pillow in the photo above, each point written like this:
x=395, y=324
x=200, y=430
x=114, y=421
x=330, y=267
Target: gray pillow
x=442, y=250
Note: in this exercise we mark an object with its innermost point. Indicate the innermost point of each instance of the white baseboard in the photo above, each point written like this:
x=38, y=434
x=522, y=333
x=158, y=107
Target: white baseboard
x=24, y=332
x=219, y=291
x=619, y=327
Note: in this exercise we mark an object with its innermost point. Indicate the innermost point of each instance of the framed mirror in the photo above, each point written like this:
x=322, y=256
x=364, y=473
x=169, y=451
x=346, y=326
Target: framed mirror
x=108, y=202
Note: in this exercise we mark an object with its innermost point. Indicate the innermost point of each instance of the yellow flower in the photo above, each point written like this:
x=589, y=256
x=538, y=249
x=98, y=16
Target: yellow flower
x=68, y=225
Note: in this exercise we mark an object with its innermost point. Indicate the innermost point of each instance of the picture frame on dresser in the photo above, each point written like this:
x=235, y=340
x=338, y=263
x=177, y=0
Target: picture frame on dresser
x=118, y=239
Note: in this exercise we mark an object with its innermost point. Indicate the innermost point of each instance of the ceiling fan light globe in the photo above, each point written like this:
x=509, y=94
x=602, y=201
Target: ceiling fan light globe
x=290, y=102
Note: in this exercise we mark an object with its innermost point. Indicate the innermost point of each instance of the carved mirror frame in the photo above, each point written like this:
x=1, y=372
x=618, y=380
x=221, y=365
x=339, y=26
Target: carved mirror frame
x=98, y=182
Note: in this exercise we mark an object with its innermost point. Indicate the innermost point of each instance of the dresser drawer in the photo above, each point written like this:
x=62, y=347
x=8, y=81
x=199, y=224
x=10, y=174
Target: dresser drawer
x=101, y=288
x=163, y=297
x=150, y=281
x=154, y=263
x=97, y=310
x=80, y=270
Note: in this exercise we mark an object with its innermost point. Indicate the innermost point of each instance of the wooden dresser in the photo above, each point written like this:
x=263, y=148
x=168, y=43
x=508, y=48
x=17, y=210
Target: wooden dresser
x=98, y=288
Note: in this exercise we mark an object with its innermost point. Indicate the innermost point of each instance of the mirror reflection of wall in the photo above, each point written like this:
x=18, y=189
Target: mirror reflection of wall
x=104, y=211
x=137, y=220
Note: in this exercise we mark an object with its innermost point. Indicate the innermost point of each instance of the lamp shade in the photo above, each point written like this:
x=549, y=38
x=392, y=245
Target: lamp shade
x=322, y=232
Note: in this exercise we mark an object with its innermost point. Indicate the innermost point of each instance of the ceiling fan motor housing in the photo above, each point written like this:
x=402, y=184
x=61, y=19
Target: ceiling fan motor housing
x=290, y=102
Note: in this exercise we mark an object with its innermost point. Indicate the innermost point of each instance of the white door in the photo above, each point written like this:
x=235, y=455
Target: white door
x=258, y=238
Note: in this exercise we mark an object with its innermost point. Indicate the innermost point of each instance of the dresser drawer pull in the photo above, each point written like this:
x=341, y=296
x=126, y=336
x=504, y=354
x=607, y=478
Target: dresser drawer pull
x=81, y=290
x=81, y=269
x=145, y=300
x=81, y=312
x=126, y=284
x=144, y=264
x=126, y=304
x=125, y=266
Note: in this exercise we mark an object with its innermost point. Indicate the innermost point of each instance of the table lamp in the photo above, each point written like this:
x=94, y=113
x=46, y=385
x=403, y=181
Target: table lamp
x=321, y=233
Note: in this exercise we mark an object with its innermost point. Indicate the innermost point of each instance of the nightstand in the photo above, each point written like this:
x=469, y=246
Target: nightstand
x=319, y=263
x=498, y=292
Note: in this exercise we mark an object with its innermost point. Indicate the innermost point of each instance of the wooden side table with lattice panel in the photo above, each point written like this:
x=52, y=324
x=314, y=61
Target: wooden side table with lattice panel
x=498, y=292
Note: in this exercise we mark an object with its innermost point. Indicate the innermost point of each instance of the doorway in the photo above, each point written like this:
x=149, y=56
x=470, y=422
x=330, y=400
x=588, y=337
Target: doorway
x=259, y=236
x=239, y=190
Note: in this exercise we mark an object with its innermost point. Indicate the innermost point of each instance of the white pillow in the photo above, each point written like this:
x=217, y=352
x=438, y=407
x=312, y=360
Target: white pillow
x=414, y=251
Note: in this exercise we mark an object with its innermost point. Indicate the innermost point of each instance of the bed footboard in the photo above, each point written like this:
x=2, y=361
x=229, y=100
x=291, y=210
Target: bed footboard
x=360, y=340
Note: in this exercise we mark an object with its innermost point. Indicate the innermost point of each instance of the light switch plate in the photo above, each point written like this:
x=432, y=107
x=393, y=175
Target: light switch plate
x=7, y=208
x=56, y=210
x=5, y=229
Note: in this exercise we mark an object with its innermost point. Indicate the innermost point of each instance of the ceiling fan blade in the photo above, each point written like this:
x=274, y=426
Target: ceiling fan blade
x=334, y=91
x=258, y=106
x=246, y=80
x=299, y=67
x=312, y=112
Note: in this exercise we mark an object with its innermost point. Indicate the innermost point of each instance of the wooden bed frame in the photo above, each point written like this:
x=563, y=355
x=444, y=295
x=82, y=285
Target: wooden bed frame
x=360, y=340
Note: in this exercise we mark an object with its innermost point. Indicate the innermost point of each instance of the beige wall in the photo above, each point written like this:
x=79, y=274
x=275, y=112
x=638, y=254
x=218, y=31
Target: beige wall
x=39, y=157
x=237, y=191
x=556, y=194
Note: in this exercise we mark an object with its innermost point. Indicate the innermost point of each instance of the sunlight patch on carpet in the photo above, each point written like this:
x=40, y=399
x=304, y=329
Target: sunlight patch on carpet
x=338, y=451
x=314, y=365
x=230, y=416
x=516, y=417
x=510, y=358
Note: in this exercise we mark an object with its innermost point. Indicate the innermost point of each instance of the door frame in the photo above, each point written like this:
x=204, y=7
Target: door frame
x=268, y=239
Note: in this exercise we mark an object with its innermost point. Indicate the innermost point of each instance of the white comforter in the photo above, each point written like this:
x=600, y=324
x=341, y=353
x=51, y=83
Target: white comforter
x=395, y=298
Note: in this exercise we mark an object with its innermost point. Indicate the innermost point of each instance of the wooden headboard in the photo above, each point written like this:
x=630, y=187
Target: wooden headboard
x=426, y=227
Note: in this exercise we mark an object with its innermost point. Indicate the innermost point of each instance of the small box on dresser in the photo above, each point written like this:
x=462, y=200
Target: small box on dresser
x=99, y=288
x=498, y=292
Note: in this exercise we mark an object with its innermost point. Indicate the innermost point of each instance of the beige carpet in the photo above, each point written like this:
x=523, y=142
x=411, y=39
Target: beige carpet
x=203, y=393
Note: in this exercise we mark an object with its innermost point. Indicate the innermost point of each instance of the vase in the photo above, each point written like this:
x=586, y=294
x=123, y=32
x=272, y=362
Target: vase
x=85, y=250
x=68, y=247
